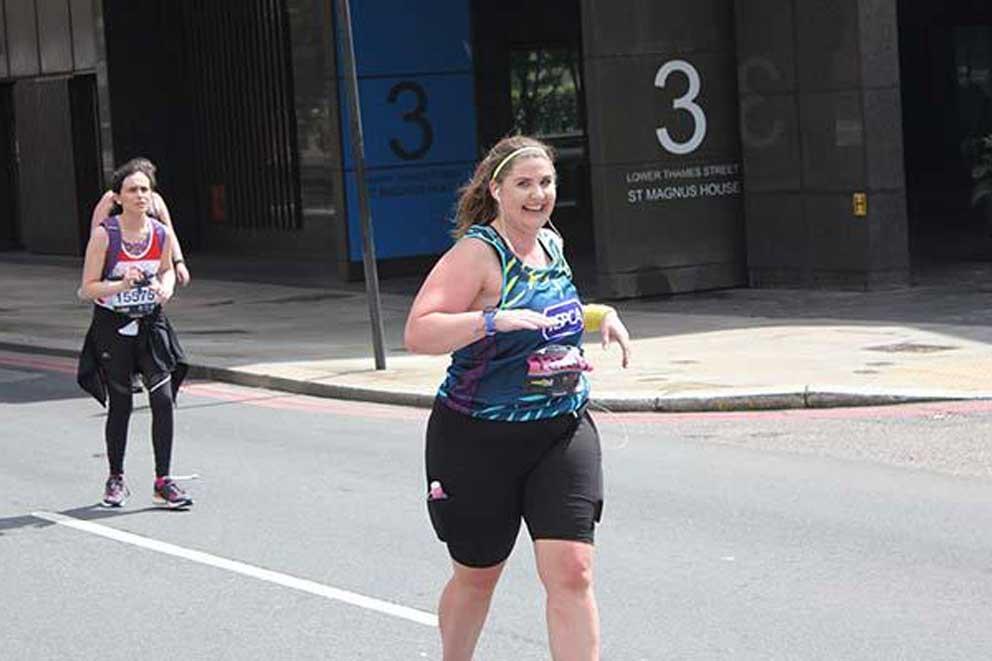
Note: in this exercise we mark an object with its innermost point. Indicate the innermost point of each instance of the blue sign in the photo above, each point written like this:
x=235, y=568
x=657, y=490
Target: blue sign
x=399, y=37
x=414, y=120
x=412, y=208
x=417, y=91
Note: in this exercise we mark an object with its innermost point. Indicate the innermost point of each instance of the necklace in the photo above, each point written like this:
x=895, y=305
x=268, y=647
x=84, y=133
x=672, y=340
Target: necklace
x=139, y=246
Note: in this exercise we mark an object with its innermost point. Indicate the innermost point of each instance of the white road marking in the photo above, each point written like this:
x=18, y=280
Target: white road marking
x=303, y=585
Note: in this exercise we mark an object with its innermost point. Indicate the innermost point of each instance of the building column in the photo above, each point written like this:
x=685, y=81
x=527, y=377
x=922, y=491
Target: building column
x=107, y=159
x=821, y=132
x=664, y=150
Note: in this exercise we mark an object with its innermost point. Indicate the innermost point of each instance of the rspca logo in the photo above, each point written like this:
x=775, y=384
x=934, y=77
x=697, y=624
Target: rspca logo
x=567, y=316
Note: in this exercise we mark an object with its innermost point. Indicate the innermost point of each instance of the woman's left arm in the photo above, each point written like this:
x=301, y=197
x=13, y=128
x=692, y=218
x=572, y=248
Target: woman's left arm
x=606, y=320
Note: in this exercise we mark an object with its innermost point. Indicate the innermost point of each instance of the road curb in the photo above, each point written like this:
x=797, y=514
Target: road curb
x=737, y=402
x=806, y=399
x=312, y=388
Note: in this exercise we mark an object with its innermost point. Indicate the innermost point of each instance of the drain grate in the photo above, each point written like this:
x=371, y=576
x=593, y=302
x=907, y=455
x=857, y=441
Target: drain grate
x=912, y=347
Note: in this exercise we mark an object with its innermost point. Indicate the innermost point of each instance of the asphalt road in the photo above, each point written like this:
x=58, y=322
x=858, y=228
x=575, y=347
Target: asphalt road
x=841, y=534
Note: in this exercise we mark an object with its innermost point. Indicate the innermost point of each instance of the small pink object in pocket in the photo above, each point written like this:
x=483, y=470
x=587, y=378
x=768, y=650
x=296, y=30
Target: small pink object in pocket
x=436, y=491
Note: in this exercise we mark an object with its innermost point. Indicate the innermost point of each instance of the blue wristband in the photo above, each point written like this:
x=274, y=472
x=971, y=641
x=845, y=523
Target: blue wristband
x=489, y=319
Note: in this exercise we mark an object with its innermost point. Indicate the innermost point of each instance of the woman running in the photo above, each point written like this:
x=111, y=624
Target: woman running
x=128, y=274
x=509, y=437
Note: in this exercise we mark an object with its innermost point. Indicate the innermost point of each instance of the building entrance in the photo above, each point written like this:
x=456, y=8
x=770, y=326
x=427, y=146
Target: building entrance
x=946, y=68
x=528, y=69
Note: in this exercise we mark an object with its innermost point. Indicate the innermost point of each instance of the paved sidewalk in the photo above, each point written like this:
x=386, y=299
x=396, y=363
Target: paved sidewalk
x=726, y=350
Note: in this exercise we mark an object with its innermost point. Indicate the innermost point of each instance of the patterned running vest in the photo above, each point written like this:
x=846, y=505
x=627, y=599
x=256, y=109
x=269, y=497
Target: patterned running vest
x=139, y=301
x=524, y=375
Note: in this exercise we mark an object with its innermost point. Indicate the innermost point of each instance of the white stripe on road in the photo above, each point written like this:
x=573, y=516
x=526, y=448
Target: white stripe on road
x=303, y=585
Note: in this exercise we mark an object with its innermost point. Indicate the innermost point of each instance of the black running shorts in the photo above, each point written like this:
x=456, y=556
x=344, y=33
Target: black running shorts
x=549, y=472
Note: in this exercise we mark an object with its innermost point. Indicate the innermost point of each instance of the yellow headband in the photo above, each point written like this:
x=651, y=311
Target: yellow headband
x=514, y=154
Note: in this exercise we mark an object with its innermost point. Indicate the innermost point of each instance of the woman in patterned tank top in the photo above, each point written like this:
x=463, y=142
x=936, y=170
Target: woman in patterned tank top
x=128, y=274
x=509, y=438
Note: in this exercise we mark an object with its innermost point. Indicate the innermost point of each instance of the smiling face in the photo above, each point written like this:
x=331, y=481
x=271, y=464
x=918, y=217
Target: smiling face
x=135, y=194
x=526, y=193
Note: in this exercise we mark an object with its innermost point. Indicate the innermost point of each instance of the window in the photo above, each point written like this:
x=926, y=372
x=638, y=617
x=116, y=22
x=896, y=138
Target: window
x=545, y=91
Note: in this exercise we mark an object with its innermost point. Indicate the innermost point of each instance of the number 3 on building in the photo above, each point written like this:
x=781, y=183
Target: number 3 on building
x=686, y=102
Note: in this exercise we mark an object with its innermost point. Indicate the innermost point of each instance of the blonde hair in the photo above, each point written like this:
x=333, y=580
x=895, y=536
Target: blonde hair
x=476, y=205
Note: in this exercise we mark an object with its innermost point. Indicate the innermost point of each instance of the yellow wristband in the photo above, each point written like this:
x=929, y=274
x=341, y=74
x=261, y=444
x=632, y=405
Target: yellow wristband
x=593, y=315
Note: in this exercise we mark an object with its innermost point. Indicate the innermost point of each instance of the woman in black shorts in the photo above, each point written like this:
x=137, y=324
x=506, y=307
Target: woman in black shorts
x=510, y=437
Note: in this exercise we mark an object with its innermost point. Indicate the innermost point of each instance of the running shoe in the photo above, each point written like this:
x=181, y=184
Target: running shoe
x=115, y=493
x=169, y=494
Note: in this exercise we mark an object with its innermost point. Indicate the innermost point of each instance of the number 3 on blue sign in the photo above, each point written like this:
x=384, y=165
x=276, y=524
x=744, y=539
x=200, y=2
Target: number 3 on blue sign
x=415, y=116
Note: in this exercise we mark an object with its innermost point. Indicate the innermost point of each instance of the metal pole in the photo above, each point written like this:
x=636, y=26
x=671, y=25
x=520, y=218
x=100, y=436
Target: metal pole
x=358, y=151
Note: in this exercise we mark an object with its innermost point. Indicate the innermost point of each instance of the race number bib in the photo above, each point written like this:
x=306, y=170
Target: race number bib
x=135, y=302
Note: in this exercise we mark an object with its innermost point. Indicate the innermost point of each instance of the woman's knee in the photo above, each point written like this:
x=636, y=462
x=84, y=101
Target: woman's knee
x=120, y=400
x=565, y=566
x=477, y=579
x=160, y=395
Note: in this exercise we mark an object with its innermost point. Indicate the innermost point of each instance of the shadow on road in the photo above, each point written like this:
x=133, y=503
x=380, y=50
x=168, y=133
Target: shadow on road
x=94, y=512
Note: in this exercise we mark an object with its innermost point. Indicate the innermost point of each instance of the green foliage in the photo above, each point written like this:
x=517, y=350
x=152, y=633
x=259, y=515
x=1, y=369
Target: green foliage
x=979, y=151
x=545, y=86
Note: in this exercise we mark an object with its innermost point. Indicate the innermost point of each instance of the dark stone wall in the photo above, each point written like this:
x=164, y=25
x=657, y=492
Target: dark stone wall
x=48, y=55
x=48, y=197
x=821, y=119
x=42, y=37
x=204, y=121
x=667, y=210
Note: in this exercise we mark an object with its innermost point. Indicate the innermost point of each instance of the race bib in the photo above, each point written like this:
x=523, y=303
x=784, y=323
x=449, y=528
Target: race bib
x=135, y=302
x=555, y=370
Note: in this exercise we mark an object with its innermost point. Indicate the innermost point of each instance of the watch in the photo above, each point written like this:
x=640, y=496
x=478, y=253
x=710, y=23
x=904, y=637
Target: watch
x=489, y=319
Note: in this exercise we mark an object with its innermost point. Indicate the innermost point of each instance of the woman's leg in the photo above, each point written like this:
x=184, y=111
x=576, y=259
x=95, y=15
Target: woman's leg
x=463, y=608
x=115, y=432
x=160, y=402
x=117, y=361
x=473, y=463
x=566, y=570
x=563, y=505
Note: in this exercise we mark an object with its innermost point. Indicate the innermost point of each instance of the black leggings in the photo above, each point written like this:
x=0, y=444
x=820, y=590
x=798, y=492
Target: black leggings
x=121, y=404
x=123, y=354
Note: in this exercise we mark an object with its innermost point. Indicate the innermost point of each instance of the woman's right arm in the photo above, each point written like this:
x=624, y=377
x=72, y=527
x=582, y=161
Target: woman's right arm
x=446, y=314
x=93, y=285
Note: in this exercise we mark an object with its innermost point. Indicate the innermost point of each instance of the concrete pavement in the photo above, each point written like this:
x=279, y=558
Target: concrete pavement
x=300, y=329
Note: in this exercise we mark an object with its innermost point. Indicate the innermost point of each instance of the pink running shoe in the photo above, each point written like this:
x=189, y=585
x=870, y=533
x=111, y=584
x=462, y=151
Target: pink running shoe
x=115, y=493
x=169, y=494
